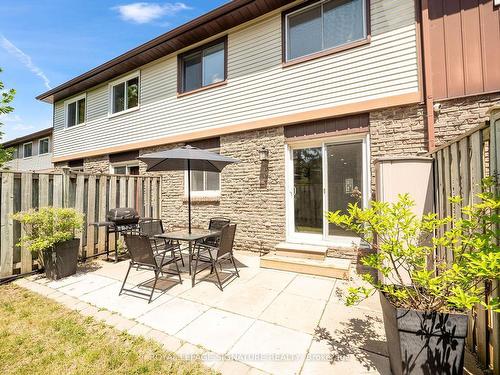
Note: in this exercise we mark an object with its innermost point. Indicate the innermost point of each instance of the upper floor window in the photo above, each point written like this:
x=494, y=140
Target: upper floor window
x=43, y=146
x=203, y=66
x=75, y=111
x=28, y=150
x=324, y=25
x=125, y=94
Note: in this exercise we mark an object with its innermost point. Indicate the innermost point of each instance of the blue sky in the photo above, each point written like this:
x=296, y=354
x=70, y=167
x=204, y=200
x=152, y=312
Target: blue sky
x=44, y=43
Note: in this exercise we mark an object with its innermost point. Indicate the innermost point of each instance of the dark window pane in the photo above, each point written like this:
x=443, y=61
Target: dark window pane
x=119, y=97
x=133, y=93
x=28, y=150
x=212, y=181
x=213, y=64
x=343, y=22
x=133, y=170
x=81, y=111
x=192, y=72
x=197, y=181
x=120, y=170
x=71, y=114
x=304, y=33
x=44, y=146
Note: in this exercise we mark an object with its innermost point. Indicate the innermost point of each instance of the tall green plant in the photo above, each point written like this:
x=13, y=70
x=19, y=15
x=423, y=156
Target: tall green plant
x=404, y=243
x=48, y=226
x=6, y=97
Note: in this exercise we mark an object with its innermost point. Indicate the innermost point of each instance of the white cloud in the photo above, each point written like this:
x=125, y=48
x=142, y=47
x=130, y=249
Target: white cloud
x=143, y=12
x=24, y=59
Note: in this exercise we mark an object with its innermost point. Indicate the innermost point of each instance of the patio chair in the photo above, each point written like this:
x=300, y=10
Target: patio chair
x=152, y=227
x=216, y=255
x=142, y=256
x=216, y=223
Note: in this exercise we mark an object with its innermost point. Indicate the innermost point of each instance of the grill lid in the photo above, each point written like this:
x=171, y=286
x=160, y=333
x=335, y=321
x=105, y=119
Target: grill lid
x=123, y=215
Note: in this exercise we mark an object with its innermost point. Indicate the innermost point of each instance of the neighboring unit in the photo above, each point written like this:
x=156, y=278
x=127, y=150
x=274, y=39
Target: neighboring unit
x=32, y=152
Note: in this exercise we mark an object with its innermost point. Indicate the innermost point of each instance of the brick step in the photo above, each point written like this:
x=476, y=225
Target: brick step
x=300, y=251
x=329, y=267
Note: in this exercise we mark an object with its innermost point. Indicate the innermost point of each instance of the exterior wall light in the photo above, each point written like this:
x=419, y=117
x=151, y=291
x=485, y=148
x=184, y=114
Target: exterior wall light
x=263, y=154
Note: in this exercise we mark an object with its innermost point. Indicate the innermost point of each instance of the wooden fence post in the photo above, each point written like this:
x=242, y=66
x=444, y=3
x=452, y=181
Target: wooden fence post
x=26, y=200
x=7, y=227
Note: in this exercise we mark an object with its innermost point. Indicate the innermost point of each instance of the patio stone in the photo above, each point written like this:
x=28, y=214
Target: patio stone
x=38, y=288
x=173, y=315
x=294, y=311
x=189, y=352
x=322, y=360
x=312, y=287
x=350, y=329
x=168, y=342
x=90, y=311
x=272, y=348
x=129, y=305
x=216, y=330
x=67, y=301
x=102, y=315
x=232, y=367
x=120, y=323
x=204, y=292
x=87, y=284
x=274, y=280
x=139, y=330
x=56, y=284
x=247, y=300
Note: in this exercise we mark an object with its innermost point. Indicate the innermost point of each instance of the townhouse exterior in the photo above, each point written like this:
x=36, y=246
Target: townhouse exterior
x=306, y=94
x=32, y=152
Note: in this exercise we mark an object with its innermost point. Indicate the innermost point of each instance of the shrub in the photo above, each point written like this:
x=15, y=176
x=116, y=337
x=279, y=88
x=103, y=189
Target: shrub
x=404, y=243
x=48, y=226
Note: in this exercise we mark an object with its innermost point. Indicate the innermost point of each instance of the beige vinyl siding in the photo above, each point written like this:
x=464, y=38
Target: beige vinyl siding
x=258, y=86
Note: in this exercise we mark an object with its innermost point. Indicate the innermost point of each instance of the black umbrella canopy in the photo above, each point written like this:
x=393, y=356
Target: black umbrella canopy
x=185, y=158
x=189, y=159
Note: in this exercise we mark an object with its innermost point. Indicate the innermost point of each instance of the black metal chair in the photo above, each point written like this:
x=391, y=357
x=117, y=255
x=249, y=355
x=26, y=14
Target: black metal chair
x=152, y=227
x=216, y=223
x=142, y=256
x=215, y=255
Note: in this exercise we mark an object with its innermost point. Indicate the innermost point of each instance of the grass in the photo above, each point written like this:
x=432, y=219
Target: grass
x=39, y=336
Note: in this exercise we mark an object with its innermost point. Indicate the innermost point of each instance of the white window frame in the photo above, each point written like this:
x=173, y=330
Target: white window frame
x=126, y=78
x=203, y=193
x=28, y=157
x=126, y=164
x=48, y=140
x=67, y=103
x=320, y=3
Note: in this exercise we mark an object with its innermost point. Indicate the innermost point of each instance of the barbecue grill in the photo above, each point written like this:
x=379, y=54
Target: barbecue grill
x=118, y=221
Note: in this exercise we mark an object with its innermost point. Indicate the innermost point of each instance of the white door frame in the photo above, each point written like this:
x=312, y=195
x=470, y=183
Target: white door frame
x=322, y=239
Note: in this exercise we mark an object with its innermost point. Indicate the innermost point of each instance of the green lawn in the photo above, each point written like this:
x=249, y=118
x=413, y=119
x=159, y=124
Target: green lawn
x=39, y=336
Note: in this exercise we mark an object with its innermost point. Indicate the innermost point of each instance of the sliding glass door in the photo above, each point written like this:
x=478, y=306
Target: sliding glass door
x=324, y=176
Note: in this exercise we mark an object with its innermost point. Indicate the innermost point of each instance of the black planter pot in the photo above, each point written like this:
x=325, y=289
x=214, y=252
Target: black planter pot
x=422, y=342
x=61, y=261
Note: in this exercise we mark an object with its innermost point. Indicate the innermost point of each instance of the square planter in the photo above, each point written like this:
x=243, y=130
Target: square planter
x=422, y=342
x=62, y=259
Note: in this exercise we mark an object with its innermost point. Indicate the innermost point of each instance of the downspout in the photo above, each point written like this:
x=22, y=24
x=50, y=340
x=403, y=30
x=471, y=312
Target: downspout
x=428, y=95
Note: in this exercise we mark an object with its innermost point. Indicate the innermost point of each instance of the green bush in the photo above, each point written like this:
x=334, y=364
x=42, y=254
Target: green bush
x=405, y=242
x=48, y=226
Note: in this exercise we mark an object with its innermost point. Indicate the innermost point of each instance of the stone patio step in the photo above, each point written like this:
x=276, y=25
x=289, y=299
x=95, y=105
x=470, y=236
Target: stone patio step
x=329, y=267
x=288, y=249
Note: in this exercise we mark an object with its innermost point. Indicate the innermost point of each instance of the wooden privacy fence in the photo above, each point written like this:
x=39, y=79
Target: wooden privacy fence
x=91, y=194
x=459, y=167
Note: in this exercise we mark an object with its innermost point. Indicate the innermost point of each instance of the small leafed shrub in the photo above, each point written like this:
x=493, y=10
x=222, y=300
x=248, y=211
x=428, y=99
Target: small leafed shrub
x=405, y=242
x=48, y=226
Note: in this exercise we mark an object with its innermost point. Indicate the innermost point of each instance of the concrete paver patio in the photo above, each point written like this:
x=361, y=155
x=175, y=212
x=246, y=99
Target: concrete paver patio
x=266, y=321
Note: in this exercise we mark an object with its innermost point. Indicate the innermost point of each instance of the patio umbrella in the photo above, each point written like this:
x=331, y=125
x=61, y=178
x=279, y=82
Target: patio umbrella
x=186, y=158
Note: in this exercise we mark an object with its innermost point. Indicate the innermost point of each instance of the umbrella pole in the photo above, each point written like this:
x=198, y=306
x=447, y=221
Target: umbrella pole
x=189, y=194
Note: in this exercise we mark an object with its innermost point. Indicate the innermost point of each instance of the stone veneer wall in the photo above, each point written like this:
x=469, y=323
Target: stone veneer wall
x=460, y=115
x=252, y=192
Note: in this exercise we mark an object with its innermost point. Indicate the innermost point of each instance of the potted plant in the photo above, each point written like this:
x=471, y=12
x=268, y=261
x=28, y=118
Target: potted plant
x=424, y=303
x=50, y=234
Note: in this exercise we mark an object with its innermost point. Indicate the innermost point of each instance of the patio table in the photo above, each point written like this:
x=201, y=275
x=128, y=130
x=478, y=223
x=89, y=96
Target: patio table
x=190, y=238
